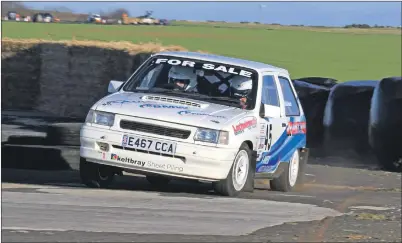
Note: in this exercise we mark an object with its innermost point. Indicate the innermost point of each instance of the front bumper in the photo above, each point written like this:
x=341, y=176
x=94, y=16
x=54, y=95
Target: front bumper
x=190, y=161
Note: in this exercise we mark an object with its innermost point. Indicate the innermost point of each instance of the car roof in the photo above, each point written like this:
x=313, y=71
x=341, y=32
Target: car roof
x=258, y=66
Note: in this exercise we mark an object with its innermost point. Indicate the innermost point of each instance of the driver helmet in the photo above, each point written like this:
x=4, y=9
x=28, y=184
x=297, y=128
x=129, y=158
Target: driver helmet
x=184, y=78
x=240, y=86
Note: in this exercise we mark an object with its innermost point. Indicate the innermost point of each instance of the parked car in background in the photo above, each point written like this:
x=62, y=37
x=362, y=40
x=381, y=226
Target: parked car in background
x=163, y=22
x=13, y=16
x=44, y=18
x=94, y=18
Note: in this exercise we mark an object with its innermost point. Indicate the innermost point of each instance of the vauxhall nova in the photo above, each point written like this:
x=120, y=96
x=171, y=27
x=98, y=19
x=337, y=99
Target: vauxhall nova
x=197, y=116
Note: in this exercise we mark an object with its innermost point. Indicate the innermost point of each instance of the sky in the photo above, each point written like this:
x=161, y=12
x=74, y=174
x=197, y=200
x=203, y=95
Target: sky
x=287, y=13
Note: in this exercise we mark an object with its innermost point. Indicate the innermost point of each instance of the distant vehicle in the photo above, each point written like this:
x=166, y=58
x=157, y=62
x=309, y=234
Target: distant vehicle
x=11, y=15
x=94, y=18
x=44, y=17
x=144, y=19
x=163, y=22
x=129, y=20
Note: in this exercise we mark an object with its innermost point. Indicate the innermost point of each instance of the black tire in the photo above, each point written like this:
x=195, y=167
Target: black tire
x=321, y=81
x=226, y=187
x=95, y=175
x=64, y=134
x=282, y=183
x=158, y=181
x=391, y=163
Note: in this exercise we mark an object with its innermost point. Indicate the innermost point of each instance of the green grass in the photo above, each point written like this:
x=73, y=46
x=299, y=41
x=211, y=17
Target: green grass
x=304, y=52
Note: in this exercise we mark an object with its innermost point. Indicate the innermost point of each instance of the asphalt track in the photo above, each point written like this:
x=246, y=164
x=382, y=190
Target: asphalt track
x=337, y=204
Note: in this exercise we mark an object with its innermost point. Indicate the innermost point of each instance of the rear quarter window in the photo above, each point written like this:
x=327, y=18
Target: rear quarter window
x=291, y=104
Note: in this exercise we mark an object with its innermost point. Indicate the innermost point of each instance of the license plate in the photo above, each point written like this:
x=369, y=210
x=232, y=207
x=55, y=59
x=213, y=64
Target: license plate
x=148, y=144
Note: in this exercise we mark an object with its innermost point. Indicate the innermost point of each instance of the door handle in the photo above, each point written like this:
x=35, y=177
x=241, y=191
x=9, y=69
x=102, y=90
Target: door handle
x=283, y=124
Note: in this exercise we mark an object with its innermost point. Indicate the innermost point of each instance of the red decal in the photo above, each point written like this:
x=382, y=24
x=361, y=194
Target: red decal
x=296, y=128
x=242, y=126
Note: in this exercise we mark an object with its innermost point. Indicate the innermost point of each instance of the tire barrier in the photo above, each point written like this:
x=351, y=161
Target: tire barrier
x=313, y=99
x=325, y=82
x=346, y=117
x=385, y=123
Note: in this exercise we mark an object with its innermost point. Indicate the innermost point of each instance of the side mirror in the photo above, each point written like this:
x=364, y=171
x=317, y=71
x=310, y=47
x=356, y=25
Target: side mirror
x=270, y=111
x=114, y=86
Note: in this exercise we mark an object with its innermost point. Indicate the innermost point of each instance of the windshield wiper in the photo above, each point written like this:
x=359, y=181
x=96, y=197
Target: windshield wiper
x=154, y=90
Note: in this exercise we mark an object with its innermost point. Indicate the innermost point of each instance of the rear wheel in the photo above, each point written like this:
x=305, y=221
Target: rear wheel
x=239, y=174
x=95, y=175
x=291, y=177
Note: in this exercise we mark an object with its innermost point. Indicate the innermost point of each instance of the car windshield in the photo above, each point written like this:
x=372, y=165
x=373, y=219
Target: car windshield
x=195, y=79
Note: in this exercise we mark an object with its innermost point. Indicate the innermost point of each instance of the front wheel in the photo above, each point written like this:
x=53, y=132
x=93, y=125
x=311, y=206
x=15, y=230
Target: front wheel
x=239, y=175
x=95, y=175
x=291, y=177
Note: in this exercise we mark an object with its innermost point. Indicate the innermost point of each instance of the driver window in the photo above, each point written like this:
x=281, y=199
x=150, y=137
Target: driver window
x=269, y=94
x=149, y=79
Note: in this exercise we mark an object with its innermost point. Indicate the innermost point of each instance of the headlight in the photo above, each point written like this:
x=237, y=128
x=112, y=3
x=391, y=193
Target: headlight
x=211, y=136
x=100, y=118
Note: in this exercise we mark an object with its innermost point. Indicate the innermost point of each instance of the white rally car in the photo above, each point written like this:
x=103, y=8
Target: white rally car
x=198, y=116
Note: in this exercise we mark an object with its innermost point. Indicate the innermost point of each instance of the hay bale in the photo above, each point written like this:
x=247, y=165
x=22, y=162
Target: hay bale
x=54, y=78
x=70, y=76
x=346, y=116
x=385, y=123
x=20, y=76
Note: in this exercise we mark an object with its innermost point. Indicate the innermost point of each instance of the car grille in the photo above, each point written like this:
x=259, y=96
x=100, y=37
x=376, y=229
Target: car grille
x=155, y=129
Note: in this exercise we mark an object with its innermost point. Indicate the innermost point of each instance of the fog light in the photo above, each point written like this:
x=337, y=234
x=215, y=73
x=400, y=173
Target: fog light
x=103, y=146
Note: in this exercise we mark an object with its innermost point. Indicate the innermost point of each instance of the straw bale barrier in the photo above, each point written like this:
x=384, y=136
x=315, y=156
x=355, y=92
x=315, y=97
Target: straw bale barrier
x=65, y=78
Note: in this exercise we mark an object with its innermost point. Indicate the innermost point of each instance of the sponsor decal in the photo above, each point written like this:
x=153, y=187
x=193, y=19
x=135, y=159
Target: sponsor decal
x=121, y=102
x=265, y=159
x=207, y=66
x=150, y=164
x=261, y=143
x=127, y=160
x=163, y=106
x=266, y=168
x=263, y=130
x=288, y=103
x=198, y=114
x=170, y=167
x=103, y=155
x=246, y=125
x=296, y=128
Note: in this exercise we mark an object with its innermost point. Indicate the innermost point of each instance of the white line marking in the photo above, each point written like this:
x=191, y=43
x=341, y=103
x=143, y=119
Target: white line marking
x=371, y=208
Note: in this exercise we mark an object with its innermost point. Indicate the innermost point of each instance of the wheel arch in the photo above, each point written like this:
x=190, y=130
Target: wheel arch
x=249, y=144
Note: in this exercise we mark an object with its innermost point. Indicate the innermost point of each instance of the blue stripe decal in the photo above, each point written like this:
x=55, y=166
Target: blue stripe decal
x=282, y=150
